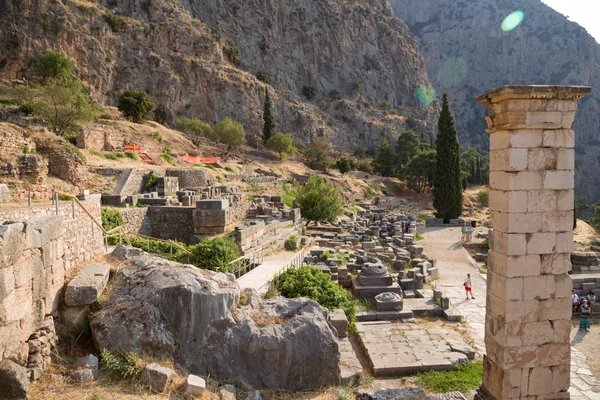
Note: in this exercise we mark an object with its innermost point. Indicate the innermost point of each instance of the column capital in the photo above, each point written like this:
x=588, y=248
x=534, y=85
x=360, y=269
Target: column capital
x=531, y=106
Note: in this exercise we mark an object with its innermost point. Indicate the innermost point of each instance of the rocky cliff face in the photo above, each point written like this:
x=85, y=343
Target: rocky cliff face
x=467, y=53
x=199, y=58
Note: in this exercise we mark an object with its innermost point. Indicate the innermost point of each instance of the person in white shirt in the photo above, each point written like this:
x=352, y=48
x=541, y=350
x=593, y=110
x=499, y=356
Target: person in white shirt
x=574, y=300
x=469, y=287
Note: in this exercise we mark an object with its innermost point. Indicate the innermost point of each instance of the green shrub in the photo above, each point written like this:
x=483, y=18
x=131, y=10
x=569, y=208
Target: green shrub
x=131, y=155
x=159, y=247
x=220, y=179
x=369, y=193
x=254, y=186
x=211, y=167
x=111, y=156
x=95, y=153
x=314, y=284
x=335, y=95
x=418, y=237
x=9, y=102
x=251, y=197
x=53, y=64
x=462, y=378
x=483, y=196
x=111, y=219
x=136, y=105
x=151, y=181
x=289, y=195
x=213, y=254
x=156, y=135
x=168, y=158
x=263, y=76
x=120, y=364
x=27, y=108
x=64, y=197
x=229, y=169
x=291, y=243
x=309, y=92
x=231, y=52
x=116, y=22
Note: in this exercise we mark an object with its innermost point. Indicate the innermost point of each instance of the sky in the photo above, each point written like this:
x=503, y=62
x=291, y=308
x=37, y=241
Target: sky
x=585, y=12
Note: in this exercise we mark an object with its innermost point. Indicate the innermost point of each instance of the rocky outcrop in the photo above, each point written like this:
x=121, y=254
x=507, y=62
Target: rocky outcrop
x=195, y=317
x=200, y=58
x=467, y=53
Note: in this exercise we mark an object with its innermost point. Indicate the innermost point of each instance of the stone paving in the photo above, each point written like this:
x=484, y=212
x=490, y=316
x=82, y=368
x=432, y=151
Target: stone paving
x=398, y=349
x=455, y=263
x=272, y=265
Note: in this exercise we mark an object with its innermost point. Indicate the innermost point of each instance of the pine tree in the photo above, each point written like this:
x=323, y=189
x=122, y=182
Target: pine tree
x=447, y=186
x=269, y=126
x=384, y=162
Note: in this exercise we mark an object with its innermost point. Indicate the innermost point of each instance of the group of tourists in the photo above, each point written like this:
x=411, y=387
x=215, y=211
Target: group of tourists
x=584, y=305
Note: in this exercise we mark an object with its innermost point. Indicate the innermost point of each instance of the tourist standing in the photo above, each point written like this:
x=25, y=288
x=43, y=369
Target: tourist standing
x=574, y=300
x=591, y=298
x=469, y=287
x=584, y=316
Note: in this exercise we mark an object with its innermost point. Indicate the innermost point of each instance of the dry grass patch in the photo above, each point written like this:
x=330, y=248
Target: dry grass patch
x=263, y=320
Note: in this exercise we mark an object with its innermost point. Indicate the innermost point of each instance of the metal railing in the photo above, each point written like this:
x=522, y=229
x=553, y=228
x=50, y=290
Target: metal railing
x=247, y=263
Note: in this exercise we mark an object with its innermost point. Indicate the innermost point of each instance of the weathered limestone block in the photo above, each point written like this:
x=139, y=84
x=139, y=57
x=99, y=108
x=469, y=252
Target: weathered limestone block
x=194, y=385
x=388, y=301
x=12, y=243
x=157, y=377
x=14, y=380
x=338, y=319
x=86, y=369
x=87, y=286
x=39, y=231
x=227, y=392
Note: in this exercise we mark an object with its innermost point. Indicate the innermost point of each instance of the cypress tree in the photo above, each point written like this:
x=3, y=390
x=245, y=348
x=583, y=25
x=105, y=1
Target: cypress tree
x=447, y=185
x=269, y=126
x=478, y=173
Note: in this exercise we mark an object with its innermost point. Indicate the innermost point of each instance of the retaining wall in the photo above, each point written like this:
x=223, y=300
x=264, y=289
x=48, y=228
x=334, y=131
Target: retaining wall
x=38, y=254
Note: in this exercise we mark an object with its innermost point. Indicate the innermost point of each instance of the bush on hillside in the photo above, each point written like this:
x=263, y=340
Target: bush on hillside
x=213, y=254
x=136, y=105
x=111, y=218
x=314, y=284
x=483, y=196
x=53, y=64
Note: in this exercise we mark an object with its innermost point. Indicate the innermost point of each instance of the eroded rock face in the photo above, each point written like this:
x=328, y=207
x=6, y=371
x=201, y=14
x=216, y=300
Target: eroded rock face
x=192, y=315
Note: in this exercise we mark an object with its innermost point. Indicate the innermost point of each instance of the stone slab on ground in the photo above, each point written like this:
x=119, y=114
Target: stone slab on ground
x=14, y=380
x=350, y=366
x=338, y=319
x=451, y=314
x=361, y=291
x=421, y=307
x=397, y=349
x=87, y=286
x=194, y=385
x=392, y=394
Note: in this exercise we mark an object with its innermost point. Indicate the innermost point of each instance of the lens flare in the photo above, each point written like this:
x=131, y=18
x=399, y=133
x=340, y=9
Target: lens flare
x=453, y=71
x=425, y=95
x=513, y=20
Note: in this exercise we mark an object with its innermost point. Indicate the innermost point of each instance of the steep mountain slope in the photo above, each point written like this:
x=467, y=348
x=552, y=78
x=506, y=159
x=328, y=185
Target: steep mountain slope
x=199, y=58
x=467, y=53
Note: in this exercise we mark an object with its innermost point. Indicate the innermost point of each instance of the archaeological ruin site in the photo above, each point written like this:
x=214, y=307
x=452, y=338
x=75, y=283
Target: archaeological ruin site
x=295, y=200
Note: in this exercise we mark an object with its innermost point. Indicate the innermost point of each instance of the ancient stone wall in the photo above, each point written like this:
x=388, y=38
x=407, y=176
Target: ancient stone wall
x=63, y=161
x=266, y=236
x=175, y=223
x=37, y=256
x=190, y=178
x=135, y=220
x=97, y=137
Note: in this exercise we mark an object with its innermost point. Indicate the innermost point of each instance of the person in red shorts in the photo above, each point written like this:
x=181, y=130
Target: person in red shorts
x=469, y=286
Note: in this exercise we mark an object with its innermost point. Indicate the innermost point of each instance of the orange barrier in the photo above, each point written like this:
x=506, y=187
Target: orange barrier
x=202, y=160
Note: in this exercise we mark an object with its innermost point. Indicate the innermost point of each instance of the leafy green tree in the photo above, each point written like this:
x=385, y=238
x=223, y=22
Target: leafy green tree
x=230, y=133
x=344, y=165
x=269, y=121
x=53, y=64
x=64, y=103
x=419, y=170
x=447, y=186
x=595, y=220
x=319, y=200
x=582, y=208
x=195, y=127
x=282, y=144
x=136, y=105
x=213, y=254
x=317, y=156
x=406, y=147
x=384, y=161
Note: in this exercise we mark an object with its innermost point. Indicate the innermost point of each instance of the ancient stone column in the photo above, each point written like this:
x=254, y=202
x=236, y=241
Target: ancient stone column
x=528, y=307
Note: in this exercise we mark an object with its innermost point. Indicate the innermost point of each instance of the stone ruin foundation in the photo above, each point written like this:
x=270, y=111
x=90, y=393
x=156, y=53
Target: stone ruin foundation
x=528, y=312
